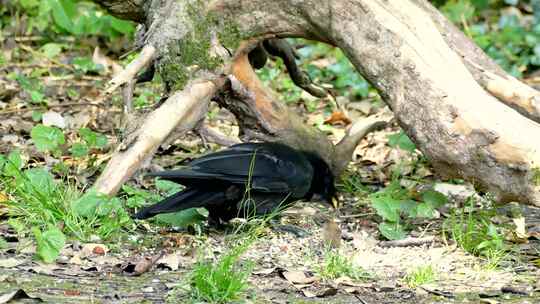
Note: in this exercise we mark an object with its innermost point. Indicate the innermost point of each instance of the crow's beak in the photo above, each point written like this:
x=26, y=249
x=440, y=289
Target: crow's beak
x=335, y=202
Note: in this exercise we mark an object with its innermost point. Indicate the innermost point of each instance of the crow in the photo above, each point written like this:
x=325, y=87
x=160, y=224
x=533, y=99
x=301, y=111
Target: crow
x=247, y=179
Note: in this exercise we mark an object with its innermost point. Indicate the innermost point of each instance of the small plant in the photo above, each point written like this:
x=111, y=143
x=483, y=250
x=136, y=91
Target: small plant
x=402, y=141
x=420, y=276
x=337, y=265
x=395, y=204
x=352, y=183
x=52, y=209
x=473, y=232
x=224, y=280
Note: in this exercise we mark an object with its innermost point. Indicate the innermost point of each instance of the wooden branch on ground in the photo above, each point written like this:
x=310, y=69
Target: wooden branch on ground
x=130, y=72
x=185, y=108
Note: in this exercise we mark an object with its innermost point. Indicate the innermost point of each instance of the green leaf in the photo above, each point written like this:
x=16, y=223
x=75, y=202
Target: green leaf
x=40, y=179
x=85, y=64
x=392, y=231
x=37, y=116
x=63, y=13
x=13, y=164
x=87, y=205
x=36, y=96
x=101, y=141
x=425, y=210
x=167, y=186
x=47, y=138
x=402, y=141
x=410, y=208
x=51, y=50
x=434, y=198
x=387, y=208
x=122, y=26
x=49, y=243
x=92, y=138
x=183, y=218
x=79, y=150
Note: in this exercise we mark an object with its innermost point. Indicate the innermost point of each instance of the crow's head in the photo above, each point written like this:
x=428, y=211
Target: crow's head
x=323, y=180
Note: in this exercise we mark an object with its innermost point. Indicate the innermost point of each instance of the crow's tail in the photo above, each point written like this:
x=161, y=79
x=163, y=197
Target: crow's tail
x=189, y=198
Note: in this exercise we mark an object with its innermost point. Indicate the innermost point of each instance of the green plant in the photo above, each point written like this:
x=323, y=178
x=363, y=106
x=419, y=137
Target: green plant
x=336, y=265
x=48, y=139
x=352, y=183
x=420, y=276
x=77, y=18
x=503, y=34
x=54, y=208
x=395, y=204
x=402, y=141
x=32, y=86
x=223, y=280
x=473, y=232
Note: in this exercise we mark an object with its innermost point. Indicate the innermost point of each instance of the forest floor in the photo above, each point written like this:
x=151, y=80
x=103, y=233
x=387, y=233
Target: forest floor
x=289, y=259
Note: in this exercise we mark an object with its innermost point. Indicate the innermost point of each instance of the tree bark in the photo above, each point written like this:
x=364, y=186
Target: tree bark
x=471, y=119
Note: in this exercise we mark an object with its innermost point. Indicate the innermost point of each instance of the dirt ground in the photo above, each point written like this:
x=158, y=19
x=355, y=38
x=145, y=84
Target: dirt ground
x=86, y=275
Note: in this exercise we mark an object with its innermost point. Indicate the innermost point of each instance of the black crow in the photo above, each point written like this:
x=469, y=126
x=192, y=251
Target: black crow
x=247, y=179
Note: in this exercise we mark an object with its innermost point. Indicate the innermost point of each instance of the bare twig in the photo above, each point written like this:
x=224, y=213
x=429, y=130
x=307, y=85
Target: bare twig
x=408, y=242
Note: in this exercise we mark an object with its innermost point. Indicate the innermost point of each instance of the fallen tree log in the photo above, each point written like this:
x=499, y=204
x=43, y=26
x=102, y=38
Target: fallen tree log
x=467, y=116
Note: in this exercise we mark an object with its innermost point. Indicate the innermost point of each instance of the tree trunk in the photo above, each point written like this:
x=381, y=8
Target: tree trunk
x=471, y=119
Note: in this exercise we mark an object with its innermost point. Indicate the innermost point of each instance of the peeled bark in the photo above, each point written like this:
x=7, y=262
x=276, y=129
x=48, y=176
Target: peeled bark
x=470, y=119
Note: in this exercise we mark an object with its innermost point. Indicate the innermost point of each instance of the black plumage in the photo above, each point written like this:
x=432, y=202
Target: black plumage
x=246, y=179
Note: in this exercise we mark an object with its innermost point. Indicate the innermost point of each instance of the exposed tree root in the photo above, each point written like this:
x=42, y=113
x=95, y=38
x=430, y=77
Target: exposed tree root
x=134, y=67
x=208, y=134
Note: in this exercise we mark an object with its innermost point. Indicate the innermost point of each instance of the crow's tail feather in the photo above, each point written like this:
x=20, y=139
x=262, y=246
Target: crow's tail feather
x=189, y=198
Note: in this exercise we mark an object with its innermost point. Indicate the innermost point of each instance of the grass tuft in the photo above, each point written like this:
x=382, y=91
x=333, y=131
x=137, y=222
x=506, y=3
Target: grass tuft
x=337, y=265
x=420, y=276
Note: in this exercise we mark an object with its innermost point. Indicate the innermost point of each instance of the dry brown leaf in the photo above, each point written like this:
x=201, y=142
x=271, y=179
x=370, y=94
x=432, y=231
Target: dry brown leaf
x=338, y=117
x=170, y=261
x=299, y=277
x=520, y=231
x=266, y=271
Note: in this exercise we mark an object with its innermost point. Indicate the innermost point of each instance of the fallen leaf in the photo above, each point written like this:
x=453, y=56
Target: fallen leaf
x=11, y=262
x=520, y=231
x=364, y=106
x=338, y=117
x=266, y=271
x=99, y=250
x=299, y=277
x=308, y=294
x=170, y=261
x=91, y=249
x=52, y=118
x=72, y=293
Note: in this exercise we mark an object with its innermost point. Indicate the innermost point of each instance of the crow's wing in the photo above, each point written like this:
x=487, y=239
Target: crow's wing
x=266, y=167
